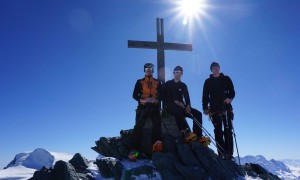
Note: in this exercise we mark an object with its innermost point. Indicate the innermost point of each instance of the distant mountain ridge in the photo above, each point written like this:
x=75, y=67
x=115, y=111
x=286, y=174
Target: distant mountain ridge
x=273, y=166
x=276, y=167
x=292, y=162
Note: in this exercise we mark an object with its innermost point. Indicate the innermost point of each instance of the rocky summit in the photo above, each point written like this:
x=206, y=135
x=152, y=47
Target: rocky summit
x=179, y=160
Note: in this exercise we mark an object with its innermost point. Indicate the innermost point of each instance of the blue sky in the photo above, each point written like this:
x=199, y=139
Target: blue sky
x=67, y=76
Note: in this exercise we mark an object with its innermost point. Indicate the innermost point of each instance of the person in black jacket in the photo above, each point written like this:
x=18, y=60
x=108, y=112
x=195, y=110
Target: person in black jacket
x=218, y=93
x=177, y=102
x=147, y=92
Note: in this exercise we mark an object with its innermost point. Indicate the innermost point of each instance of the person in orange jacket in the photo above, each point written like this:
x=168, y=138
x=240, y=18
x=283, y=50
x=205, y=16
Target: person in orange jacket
x=148, y=93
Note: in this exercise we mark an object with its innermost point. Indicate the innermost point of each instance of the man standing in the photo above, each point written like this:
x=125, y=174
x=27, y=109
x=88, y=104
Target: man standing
x=218, y=92
x=147, y=92
x=177, y=101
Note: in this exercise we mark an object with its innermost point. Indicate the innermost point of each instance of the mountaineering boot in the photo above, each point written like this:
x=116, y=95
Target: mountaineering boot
x=157, y=147
x=189, y=136
x=132, y=156
x=205, y=141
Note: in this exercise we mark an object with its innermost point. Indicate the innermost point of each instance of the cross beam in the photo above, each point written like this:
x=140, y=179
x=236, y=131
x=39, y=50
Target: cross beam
x=154, y=45
x=160, y=46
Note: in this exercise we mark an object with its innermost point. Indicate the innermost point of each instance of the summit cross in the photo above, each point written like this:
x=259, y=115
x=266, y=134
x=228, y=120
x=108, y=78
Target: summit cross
x=160, y=45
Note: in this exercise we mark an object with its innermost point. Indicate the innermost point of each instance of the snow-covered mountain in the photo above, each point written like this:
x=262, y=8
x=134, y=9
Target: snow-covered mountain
x=278, y=168
x=25, y=164
x=34, y=160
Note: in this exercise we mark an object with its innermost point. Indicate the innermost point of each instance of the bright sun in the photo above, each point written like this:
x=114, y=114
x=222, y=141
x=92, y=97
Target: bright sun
x=191, y=9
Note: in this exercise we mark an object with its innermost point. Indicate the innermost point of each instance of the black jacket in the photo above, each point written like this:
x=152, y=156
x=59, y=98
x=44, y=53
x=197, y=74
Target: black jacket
x=215, y=91
x=176, y=91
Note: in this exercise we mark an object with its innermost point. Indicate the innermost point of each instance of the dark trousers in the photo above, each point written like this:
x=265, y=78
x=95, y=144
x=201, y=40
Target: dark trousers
x=142, y=113
x=223, y=138
x=180, y=115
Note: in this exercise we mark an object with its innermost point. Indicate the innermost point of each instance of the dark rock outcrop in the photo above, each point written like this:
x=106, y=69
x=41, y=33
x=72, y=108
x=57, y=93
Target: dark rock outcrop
x=178, y=161
x=110, y=167
x=213, y=164
x=117, y=147
x=64, y=170
x=166, y=164
x=194, y=161
x=146, y=170
x=75, y=169
x=43, y=174
x=256, y=170
x=79, y=163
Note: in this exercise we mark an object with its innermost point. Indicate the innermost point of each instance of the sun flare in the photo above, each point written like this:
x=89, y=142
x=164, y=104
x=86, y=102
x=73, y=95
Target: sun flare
x=191, y=9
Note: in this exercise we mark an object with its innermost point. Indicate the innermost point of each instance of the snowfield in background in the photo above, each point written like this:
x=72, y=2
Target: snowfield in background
x=16, y=173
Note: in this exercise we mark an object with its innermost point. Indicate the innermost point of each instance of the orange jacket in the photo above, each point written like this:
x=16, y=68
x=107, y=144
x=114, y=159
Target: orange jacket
x=147, y=87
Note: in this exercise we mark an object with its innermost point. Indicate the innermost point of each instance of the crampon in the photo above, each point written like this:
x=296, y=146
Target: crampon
x=205, y=141
x=157, y=147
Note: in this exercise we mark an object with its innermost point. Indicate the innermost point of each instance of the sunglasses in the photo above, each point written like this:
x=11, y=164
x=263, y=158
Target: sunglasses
x=215, y=67
x=146, y=69
x=177, y=72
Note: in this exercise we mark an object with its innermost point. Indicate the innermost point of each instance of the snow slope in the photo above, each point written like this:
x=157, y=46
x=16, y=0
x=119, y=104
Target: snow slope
x=16, y=173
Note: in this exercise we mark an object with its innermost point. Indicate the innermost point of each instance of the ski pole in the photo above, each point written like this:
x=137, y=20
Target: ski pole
x=237, y=150
x=235, y=142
